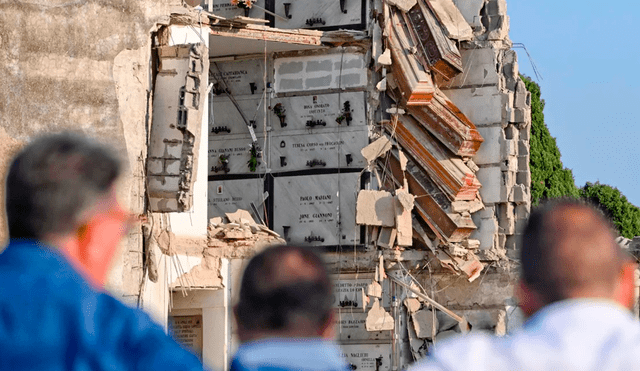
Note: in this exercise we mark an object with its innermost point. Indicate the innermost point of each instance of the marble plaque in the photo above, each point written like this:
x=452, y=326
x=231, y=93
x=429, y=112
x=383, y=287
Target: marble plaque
x=187, y=330
x=321, y=14
x=292, y=152
x=227, y=196
x=242, y=78
x=367, y=357
x=231, y=155
x=318, y=113
x=347, y=291
x=350, y=328
x=226, y=118
x=320, y=72
x=317, y=210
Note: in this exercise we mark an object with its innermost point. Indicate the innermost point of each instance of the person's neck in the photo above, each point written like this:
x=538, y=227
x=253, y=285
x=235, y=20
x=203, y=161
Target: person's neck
x=69, y=246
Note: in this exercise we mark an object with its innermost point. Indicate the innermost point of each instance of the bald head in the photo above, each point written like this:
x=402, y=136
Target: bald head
x=285, y=289
x=569, y=251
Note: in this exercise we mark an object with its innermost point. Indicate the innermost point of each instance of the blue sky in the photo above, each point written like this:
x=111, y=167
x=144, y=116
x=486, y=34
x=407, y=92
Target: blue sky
x=590, y=64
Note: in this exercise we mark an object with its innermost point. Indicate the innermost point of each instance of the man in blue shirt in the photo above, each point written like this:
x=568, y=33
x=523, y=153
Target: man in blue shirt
x=577, y=288
x=64, y=227
x=285, y=315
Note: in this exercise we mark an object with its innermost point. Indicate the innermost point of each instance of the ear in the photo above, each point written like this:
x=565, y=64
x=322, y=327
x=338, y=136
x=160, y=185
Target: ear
x=328, y=329
x=625, y=288
x=529, y=300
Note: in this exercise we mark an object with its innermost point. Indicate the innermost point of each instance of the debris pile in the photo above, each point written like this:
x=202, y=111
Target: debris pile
x=238, y=229
x=423, y=155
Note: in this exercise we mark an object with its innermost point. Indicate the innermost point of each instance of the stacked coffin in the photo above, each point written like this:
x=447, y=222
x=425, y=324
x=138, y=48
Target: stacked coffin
x=437, y=138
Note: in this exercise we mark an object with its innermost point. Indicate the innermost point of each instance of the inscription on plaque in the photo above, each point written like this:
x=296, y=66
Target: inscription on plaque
x=188, y=331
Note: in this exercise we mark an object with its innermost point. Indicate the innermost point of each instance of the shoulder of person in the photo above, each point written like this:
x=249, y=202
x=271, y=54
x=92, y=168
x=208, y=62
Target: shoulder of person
x=462, y=352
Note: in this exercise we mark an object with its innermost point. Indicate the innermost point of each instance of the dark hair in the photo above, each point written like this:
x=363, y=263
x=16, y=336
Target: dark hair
x=53, y=180
x=555, y=259
x=273, y=295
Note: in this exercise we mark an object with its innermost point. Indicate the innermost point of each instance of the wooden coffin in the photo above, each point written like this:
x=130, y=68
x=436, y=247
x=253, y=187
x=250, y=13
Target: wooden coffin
x=446, y=122
x=447, y=170
x=440, y=53
x=430, y=203
x=413, y=79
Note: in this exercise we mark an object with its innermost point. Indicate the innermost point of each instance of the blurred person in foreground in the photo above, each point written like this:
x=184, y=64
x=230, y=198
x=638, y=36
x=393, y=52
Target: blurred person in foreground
x=64, y=228
x=284, y=313
x=576, y=290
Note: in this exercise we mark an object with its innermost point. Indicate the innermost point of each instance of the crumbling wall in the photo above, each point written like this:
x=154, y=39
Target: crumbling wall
x=85, y=66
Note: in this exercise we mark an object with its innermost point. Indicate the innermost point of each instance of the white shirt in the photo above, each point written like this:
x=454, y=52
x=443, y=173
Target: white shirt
x=583, y=334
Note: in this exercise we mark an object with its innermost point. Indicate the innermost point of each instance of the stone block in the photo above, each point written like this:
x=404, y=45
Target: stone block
x=523, y=148
x=387, y=237
x=483, y=106
x=491, y=180
x=520, y=115
x=498, y=27
x=509, y=148
x=524, y=178
x=509, y=164
x=470, y=10
x=507, y=218
x=502, y=240
x=523, y=211
x=523, y=163
x=490, y=150
x=423, y=323
x=520, y=194
x=375, y=208
x=522, y=96
x=525, y=132
x=479, y=66
x=508, y=179
x=486, y=233
x=512, y=242
x=511, y=132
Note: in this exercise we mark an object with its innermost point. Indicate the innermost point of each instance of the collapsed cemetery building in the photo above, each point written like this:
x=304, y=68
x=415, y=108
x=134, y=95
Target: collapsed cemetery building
x=393, y=135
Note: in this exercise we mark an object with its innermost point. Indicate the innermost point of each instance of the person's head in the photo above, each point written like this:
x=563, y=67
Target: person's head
x=285, y=292
x=569, y=251
x=60, y=190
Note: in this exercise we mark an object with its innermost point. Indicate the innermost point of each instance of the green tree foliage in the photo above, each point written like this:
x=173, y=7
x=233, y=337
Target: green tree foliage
x=549, y=178
x=624, y=215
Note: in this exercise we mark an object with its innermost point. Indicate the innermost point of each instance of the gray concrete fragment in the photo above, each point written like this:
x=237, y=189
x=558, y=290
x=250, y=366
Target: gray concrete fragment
x=424, y=322
x=378, y=319
x=453, y=22
x=412, y=304
x=387, y=237
x=444, y=335
x=376, y=149
x=404, y=5
x=375, y=208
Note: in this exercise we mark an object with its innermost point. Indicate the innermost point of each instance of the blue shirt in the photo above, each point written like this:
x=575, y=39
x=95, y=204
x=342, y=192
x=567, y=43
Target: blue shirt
x=579, y=334
x=52, y=319
x=288, y=354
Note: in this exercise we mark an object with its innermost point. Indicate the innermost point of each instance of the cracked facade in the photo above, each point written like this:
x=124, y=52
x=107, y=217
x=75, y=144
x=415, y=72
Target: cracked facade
x=393, y=134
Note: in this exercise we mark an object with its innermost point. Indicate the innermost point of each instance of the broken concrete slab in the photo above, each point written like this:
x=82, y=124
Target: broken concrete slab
x=425, y=323
x=451, y=19
x=387, y=237
x=403, y=205
x=376, y=149
x=378, y=319
x=412, y=304
x=404, y=5
x=375, y=208
x=374, y=289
